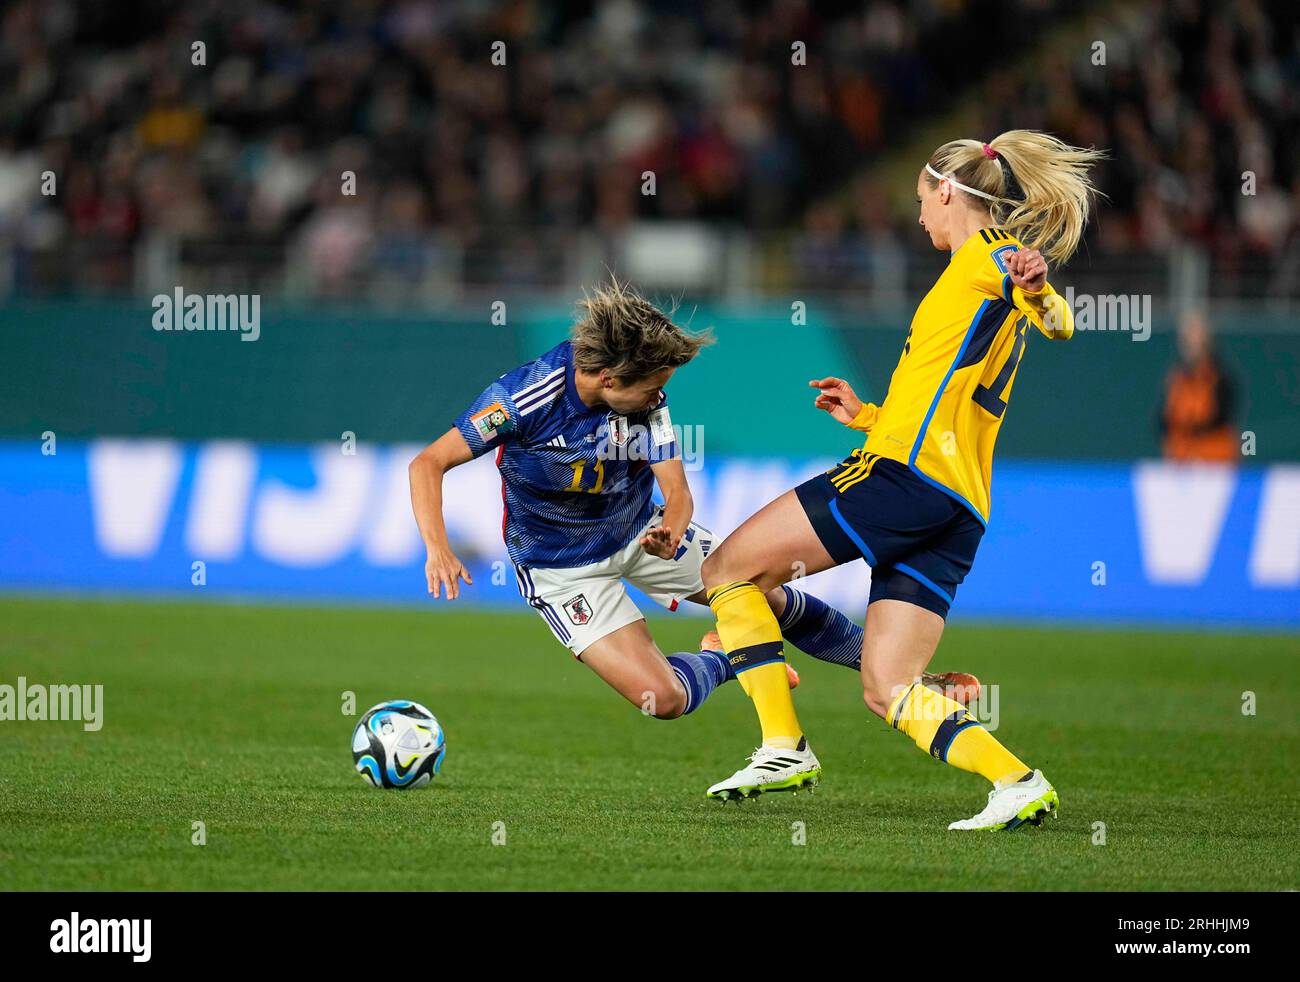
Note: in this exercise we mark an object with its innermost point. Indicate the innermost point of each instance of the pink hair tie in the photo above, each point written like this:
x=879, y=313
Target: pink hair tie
x=990, y=152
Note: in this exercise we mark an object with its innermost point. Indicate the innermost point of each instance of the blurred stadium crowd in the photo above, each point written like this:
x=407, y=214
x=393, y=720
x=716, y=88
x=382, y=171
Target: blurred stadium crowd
x=464, y=163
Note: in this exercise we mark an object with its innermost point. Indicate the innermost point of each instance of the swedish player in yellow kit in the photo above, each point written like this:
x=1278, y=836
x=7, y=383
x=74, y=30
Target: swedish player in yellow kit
x=914, y=500
x=960, y=357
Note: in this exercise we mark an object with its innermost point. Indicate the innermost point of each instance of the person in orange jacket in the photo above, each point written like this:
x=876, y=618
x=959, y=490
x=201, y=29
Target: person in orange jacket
x=1196, y=422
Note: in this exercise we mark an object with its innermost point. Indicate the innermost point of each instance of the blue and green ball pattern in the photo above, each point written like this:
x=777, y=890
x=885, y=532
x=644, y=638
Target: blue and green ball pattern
x=398, y=745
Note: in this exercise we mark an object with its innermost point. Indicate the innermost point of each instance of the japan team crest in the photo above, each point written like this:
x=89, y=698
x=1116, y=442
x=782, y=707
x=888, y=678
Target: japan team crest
x=578, y=609
x=618, y=430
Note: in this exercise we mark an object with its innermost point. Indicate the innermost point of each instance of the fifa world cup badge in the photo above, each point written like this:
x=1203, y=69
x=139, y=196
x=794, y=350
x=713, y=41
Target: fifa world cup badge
x=492, y=421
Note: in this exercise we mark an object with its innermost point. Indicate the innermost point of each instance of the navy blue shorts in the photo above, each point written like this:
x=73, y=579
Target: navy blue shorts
x=919, y=542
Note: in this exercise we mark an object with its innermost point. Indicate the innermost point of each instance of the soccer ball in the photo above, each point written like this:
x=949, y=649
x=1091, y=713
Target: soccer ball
x=398, y=744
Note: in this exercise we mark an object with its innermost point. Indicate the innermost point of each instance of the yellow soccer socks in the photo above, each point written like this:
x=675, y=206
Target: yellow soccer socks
x=944, y=729
x=752, y=639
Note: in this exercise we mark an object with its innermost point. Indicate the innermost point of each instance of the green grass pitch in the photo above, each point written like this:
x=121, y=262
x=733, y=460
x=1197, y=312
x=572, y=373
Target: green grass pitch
x=231, y=716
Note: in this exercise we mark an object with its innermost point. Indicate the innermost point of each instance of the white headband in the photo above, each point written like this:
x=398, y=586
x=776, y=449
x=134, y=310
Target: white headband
x=957, y=184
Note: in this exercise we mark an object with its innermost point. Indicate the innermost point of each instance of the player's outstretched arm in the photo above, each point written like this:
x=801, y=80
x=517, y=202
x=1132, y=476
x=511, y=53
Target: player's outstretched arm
x=679, y=507
x=442, y=569
x=836, y=396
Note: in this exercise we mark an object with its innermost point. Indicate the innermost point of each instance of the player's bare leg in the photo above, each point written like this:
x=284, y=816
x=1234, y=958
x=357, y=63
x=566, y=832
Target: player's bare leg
x=897, y=645
x=666, y=687
x=629, y=661
x=899, y=642
x=769, y=548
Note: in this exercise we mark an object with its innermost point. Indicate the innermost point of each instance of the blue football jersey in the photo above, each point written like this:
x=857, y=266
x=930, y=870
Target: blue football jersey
x=577, y=481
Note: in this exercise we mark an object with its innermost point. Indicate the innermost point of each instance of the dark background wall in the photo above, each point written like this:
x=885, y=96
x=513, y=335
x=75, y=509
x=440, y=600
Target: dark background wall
x=97, y=368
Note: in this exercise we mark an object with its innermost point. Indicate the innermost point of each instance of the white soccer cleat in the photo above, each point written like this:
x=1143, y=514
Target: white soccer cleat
x=771, y=769
x=1012, y=805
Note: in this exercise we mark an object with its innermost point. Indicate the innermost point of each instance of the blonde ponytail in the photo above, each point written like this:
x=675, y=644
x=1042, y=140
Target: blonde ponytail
x=1040, y=189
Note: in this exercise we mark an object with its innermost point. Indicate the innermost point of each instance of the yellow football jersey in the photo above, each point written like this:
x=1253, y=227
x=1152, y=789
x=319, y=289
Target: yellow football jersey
x=948, y=395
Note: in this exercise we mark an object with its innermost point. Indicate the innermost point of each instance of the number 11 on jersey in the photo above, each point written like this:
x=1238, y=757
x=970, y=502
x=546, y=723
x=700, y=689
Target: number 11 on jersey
x=578, y=467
